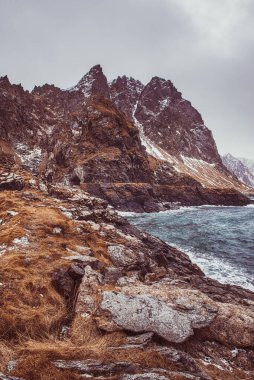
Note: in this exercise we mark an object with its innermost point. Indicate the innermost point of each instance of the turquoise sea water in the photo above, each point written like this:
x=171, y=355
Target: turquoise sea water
x=219, y=239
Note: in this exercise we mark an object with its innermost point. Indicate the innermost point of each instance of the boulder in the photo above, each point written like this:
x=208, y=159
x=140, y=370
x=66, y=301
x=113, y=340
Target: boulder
x=234, y=325
x=147, y=313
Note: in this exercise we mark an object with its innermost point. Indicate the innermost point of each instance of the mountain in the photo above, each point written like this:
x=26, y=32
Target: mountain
x=172, y=130
x=139, y=147
x=243, y=169
x=248, y=163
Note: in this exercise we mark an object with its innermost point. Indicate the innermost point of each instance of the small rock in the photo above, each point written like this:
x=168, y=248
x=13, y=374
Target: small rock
x=76, y=272
x=142, y=339
x=122, y=256
x=112, y=275
x=12, y=213
x=95, y=367
x=57, y=230
x=145, y=376
x=7, y=377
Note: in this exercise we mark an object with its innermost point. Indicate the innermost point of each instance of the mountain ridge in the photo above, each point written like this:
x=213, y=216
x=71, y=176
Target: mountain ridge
x=103, y=136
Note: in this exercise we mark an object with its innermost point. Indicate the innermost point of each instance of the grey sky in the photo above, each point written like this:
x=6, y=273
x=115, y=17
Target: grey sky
x=206, y=47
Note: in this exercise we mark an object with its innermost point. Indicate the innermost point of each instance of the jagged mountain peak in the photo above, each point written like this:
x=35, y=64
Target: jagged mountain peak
x=96, y=69
x=46, y=88
x=94, y=83
x=4, y=79
x=126, y=79
x=125, y=92
x=163, y=88
x=9, y=90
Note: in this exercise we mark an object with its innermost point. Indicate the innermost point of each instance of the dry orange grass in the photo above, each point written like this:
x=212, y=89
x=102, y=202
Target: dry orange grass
x=6, y=353
x=30, y=306
x=31, y=310
x=39, y=367
x=85, y=341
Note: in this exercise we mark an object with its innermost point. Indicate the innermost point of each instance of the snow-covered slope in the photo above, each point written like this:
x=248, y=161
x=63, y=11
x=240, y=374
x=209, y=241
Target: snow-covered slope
x=242, y=168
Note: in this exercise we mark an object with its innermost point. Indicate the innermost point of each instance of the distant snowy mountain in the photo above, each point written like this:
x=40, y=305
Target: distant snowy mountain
x=248, y=163
x=242, y=168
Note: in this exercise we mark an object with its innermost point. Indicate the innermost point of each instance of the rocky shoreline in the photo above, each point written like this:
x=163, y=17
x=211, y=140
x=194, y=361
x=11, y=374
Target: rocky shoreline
x=84, y=294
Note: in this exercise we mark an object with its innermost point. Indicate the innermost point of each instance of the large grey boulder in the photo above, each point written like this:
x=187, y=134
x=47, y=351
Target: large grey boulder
x=144, y=312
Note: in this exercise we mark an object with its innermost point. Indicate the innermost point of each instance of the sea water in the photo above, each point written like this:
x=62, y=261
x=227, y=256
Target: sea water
x=219, y=239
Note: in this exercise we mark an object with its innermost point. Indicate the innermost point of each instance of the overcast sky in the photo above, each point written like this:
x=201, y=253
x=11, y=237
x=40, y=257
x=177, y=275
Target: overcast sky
x=206, y=47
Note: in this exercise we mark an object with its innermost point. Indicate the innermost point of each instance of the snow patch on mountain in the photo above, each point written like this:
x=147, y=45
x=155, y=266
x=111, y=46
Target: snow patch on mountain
x=29, y=157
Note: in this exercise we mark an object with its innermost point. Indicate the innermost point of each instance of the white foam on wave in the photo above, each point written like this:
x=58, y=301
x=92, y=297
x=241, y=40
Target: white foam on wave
x=179, y=209
x=219, y=269
x=126, y=214
x=250, y=206
x=195, y=208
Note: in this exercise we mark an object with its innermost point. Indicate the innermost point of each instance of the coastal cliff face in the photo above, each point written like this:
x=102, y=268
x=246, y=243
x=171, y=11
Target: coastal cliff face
x=138, y=147
x=86, y=295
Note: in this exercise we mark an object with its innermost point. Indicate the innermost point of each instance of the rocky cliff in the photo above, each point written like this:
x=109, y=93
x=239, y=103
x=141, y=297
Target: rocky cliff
x=86, y=295
x=139, y=147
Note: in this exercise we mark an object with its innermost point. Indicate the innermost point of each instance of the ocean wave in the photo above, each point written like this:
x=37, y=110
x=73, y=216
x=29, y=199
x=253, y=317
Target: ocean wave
x=194, y=208
x=218, y=269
